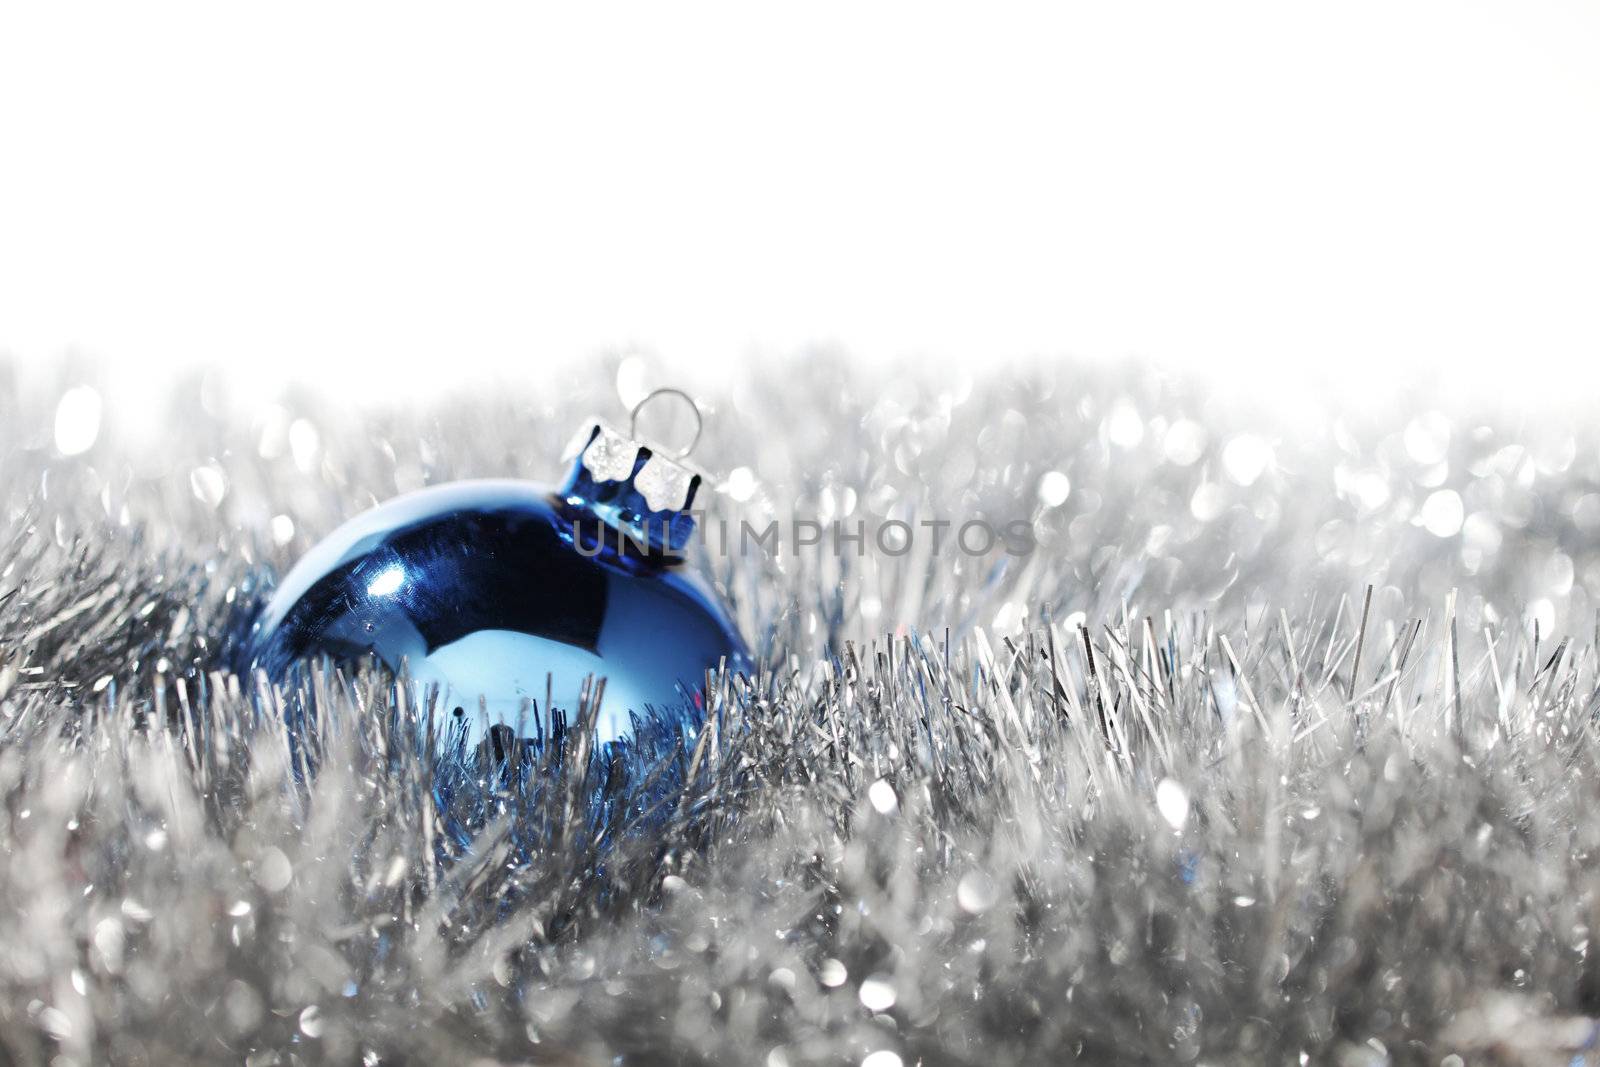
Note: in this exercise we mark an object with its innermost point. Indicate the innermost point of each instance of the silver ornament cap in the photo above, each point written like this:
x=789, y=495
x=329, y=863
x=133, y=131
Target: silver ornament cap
x=638, y=487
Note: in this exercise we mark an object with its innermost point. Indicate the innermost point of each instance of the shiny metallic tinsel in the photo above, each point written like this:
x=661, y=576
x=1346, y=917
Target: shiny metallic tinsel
x=1278, y=750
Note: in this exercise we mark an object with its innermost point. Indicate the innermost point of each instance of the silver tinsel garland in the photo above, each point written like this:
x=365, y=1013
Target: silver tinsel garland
x=1279, y=749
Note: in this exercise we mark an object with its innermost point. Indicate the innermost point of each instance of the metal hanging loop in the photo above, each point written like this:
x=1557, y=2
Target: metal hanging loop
x=699, y=423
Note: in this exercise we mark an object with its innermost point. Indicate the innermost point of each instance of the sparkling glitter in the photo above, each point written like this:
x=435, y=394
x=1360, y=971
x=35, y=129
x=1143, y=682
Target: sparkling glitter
x=741, y=484
x=1172, y=800
x=1442, y=513
x=976, y=892
x=1054, y=488
x=633, y=381
x=209, y=484
x=1124, y=426
x=883, y=798
x=1185, y=442
x=273, y=870
x=1245, y=458
x=304, y=444
x=877, y=994
x=77, y=420
x=1207, y=502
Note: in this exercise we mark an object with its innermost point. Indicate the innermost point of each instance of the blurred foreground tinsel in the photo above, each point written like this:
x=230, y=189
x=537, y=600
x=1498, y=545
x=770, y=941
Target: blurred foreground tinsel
x=1278, y=750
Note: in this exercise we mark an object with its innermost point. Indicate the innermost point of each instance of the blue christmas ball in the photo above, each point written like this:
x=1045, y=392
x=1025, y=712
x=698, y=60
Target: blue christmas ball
x=506, y=599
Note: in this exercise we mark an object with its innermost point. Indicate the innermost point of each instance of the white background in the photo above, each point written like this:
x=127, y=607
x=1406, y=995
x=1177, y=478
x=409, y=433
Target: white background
x=399, y=196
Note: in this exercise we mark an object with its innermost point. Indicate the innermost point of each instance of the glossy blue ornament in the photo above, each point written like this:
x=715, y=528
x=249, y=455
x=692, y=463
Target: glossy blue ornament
x=507, y=599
